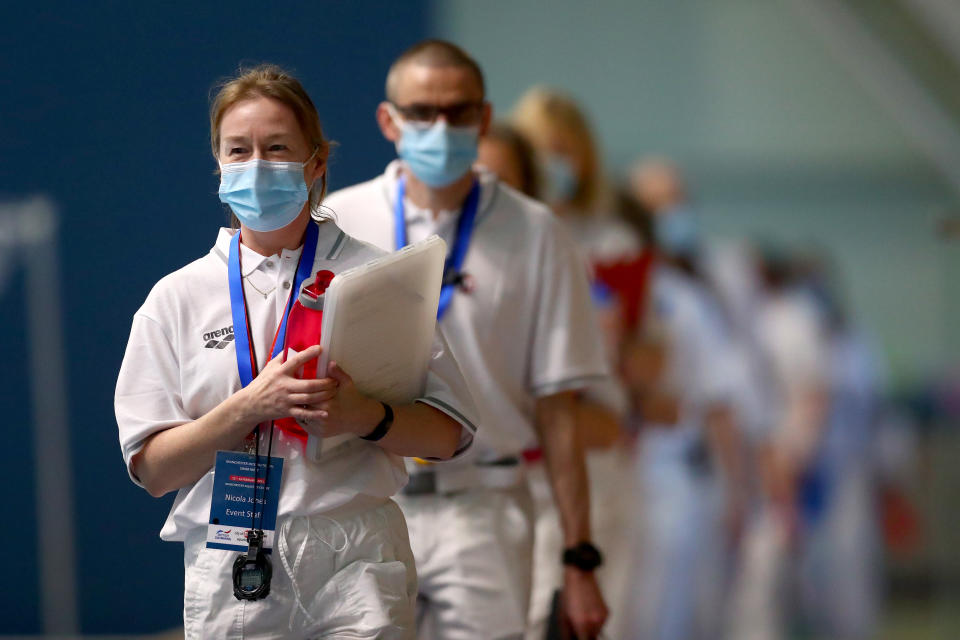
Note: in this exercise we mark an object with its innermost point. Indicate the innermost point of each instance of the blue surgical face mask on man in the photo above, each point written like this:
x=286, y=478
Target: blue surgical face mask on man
x=265, y=195
x=436, y=153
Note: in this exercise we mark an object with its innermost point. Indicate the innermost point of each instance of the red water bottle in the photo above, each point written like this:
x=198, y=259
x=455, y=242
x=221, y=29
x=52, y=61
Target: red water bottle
x=306, y=319
x=303, y=331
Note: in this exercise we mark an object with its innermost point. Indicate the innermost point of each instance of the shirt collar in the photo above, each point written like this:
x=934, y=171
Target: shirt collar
x=415, y=215
x=327, y=244
x=488, y=190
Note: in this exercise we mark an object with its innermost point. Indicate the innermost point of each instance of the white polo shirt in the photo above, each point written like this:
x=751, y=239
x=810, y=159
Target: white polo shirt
x=525, y=329
x=180, y=363
x=699, y=365
x=792, y=334
x=603, y=239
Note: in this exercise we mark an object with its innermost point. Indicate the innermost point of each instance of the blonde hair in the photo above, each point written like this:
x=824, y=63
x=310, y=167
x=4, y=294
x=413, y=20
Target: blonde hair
x=271, y=81
x=543, y=113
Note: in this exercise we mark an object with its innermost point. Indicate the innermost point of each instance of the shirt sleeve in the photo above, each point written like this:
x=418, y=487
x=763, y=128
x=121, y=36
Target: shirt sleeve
x=566, y=345
x=716, y=380
x=147, y=397
x=797, y=347
x=447, y=391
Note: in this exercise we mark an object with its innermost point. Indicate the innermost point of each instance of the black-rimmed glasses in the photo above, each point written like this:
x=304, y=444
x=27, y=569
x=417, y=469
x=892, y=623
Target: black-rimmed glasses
x=460, y=114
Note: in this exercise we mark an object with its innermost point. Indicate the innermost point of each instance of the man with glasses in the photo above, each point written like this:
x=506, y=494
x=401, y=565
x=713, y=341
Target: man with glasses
x=516, y=313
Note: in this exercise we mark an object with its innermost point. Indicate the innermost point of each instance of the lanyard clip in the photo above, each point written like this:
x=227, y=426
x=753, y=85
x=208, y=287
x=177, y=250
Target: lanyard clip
x=459, y=279
x=255, y=540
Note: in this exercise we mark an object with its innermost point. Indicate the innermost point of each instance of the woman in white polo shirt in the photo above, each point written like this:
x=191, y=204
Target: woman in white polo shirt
x=189, y=387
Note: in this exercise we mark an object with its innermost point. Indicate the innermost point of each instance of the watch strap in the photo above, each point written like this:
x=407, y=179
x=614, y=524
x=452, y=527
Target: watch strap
x=583, y=556
x=383, y=426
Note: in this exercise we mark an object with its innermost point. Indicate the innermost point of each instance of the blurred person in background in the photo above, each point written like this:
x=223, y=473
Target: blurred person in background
x=658, y=185
x=342, y=564
x=840, y=570
x=795, y=345
x=629, y=276
x=690, y=462
x=520, y=325
x=575, y=190
x=728, y=267
x=573, y=185
x=505, y=152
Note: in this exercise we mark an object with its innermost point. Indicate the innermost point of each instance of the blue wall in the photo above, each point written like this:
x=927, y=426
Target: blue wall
x=104, y=108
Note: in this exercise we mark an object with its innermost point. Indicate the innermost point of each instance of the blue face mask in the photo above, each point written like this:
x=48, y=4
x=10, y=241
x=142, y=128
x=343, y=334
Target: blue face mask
x=561, y=179
x=264, y=195
x=437, y=154
x=676, y=231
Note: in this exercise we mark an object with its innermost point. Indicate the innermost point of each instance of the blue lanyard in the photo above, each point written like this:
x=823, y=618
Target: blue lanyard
x=246, y=355
x=454, y=261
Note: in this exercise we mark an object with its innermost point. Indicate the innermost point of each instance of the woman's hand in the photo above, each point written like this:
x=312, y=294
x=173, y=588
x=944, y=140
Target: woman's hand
x=340, y=408
x=277, y=393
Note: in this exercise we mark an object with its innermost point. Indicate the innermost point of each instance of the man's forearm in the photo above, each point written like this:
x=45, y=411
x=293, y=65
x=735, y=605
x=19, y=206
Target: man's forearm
x=563, y=456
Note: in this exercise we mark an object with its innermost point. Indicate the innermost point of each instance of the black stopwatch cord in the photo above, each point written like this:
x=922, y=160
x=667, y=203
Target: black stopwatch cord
x=266, y=476
x=256, y=471
x=256, y=475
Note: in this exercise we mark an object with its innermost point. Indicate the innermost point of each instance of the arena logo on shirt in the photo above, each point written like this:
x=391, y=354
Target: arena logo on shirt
x=218, y=338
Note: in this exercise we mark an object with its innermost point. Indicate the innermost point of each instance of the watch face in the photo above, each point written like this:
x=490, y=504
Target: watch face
x=251, y=578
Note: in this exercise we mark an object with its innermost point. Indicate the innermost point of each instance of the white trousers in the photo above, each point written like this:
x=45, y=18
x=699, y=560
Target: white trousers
x=677, y=584
x=758, y=597
x=473, y=552
x=344, y=574
x=839, y=568
x=834, y=583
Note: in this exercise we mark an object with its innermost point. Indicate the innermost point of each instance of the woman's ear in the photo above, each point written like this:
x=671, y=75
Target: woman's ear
x=319, y=170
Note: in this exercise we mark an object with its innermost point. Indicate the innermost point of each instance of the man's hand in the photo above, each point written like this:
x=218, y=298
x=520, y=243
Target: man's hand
x=583, y=603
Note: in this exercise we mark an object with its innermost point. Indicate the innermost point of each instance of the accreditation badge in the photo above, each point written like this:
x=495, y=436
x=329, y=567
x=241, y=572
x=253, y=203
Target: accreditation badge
x=246, y=496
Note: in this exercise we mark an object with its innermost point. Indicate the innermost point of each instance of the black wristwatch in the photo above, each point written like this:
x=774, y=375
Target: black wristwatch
x=583, y=556
x=383, y=426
